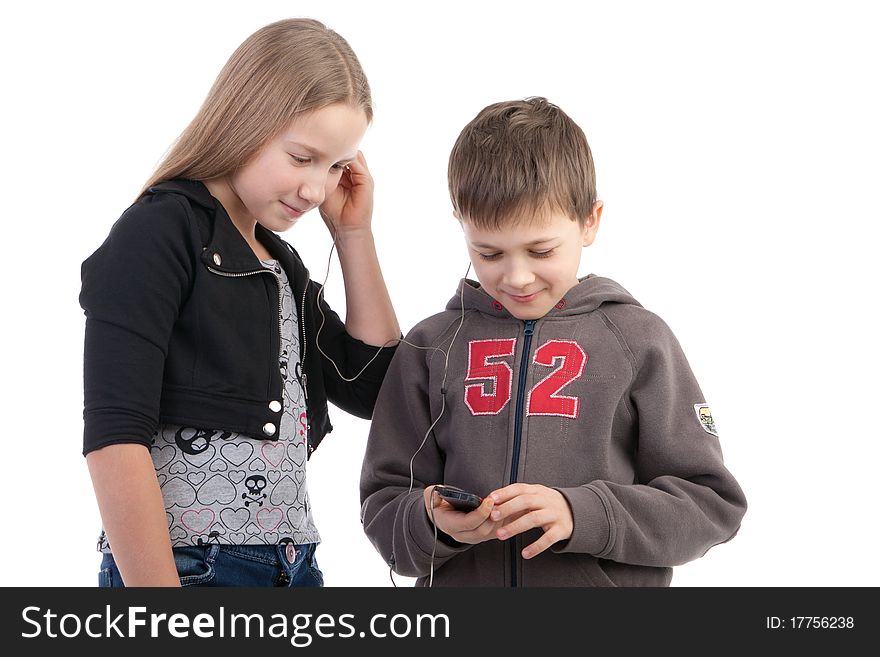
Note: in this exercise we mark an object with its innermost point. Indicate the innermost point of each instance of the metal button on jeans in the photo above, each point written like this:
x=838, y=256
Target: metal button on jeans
x=290, y=553
x=274, y=405
x=268, y=428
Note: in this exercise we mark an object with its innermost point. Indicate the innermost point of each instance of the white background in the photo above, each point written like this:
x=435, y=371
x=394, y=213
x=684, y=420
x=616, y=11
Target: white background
x=737, y=154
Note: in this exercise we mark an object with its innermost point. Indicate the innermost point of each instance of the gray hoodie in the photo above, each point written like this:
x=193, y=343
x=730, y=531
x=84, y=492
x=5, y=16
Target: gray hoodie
x=595, y=399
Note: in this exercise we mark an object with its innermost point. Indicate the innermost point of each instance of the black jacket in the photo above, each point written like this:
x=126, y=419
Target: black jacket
x=183, y=327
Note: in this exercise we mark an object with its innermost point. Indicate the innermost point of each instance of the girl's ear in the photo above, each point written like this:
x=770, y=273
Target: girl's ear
x=591, y=224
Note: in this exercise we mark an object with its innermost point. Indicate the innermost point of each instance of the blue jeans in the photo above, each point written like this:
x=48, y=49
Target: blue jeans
x=235, y=565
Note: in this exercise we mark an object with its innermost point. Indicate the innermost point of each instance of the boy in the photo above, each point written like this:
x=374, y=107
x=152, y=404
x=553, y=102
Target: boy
x=564, y=403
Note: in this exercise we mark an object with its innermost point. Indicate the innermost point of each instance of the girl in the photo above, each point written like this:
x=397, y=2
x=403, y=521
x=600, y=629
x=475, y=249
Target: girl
x=209, y=354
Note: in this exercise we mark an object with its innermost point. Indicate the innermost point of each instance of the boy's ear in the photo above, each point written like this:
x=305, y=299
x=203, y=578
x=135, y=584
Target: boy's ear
x=456, y=215
x=591, y=225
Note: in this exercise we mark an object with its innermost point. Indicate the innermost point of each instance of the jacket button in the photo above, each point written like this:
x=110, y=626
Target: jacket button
x=217, y=259
x=274, y=406
x=269, y=428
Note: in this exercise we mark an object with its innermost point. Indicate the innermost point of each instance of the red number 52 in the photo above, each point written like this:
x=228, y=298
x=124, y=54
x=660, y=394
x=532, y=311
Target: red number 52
x=544, y=398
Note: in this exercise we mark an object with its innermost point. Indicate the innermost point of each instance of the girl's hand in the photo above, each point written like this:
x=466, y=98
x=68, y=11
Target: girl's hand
x=471, y=528
x=520, y=507
x=349, y=207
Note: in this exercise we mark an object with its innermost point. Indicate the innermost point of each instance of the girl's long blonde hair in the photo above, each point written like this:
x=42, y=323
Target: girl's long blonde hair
x=282, y=70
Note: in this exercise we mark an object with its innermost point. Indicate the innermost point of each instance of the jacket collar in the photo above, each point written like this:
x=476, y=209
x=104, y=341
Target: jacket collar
x=225, y=249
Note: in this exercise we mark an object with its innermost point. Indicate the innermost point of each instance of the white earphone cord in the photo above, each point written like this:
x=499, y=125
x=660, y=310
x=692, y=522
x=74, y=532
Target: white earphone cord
x=445, y=353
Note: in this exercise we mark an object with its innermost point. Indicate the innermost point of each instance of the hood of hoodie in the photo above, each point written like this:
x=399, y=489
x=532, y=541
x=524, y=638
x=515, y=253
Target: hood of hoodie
x=590, y=293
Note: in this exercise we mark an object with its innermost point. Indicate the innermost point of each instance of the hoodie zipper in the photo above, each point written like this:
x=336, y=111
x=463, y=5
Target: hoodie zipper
x=517, y=429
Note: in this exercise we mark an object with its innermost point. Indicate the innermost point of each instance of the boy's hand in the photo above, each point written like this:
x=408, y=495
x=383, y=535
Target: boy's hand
x=520, y=507
x=349, y=207
x=471, y=528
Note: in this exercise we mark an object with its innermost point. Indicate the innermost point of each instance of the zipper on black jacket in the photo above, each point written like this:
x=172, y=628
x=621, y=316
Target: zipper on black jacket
x=280, y=301
x=517, y=430
x=302, y=325
x=303, y=345
x=303, y=377
x=302, y=353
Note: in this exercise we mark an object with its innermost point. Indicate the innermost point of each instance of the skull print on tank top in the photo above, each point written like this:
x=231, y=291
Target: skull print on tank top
x=225, y=487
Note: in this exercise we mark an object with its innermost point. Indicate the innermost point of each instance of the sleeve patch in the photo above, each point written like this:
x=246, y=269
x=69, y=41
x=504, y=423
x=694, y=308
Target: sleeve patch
x=704, y=415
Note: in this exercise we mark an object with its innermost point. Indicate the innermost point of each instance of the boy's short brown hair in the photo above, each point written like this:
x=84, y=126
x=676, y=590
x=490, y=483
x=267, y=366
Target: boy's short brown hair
x=517, y=159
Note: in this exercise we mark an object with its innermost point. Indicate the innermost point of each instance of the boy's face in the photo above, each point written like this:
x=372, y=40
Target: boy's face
x=530, y=265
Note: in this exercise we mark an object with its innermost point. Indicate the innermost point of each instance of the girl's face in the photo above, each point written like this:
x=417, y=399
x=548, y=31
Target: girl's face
x=294, y=171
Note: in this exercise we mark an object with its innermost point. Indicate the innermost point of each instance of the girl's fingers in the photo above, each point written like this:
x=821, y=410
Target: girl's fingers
x=357, y=171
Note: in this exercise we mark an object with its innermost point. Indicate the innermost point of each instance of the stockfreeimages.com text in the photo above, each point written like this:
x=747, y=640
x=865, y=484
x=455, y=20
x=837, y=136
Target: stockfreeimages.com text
x=300, y=629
